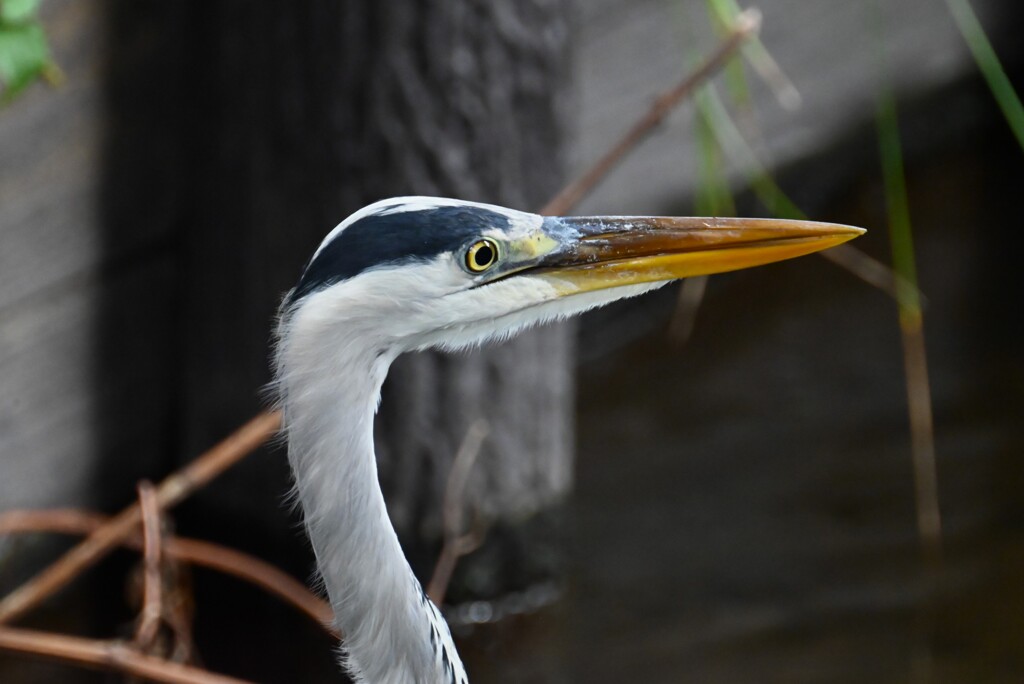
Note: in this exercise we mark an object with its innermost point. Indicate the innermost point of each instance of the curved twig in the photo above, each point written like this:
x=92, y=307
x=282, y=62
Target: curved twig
x=206, y=554
x=456, y=542
x=106, y=655
x=152, y=552
x=171, y=491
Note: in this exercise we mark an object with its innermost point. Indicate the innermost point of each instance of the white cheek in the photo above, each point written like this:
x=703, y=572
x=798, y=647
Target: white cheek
x=504, y=297
x=500, y=310
x=383, y=306
x=473, y=316
x=432, y=305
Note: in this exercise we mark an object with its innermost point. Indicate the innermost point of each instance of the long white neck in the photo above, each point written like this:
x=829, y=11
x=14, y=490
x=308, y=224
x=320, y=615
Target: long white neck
x=392, y=633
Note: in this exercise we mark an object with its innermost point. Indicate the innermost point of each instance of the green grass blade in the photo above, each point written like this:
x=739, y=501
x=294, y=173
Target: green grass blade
x=723, y=12
x=985, y=56
x=714, y=196
x=894, y=177
x=919, y=402
x=732, y=140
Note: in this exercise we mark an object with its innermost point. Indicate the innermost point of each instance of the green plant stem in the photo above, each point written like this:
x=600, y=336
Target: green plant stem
x=919, y=405
x=989, y=65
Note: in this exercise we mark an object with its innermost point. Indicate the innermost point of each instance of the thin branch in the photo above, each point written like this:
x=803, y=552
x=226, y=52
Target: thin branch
x=171, y=491
x=258, y=572
x=684, y=319
x=747, y=25
x=178, y=617
x=206, y=554
x=152, y=586
x=105, y=655
x=922, y=437
x=60, y=520
x=869, y=269
x=456, y=542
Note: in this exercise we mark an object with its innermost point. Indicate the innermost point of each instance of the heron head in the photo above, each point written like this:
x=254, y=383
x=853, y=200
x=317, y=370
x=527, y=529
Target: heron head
x=416, y=272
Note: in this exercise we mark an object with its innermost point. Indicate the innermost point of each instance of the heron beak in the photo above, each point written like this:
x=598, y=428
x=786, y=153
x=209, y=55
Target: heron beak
x=596, y=253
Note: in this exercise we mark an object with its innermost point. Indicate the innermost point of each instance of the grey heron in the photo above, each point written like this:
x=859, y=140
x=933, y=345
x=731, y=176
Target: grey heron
x=412, y=273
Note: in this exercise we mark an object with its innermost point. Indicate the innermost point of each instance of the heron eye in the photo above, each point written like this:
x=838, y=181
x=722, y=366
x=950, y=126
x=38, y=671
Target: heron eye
x=481, y=255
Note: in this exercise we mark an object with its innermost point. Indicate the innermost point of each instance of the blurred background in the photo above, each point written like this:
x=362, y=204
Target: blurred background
x=713, y=483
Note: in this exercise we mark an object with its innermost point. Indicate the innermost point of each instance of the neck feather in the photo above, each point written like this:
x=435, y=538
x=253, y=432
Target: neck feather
x=392, y=632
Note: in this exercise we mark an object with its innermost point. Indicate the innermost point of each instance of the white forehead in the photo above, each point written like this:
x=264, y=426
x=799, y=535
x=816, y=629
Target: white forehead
x=519, y=221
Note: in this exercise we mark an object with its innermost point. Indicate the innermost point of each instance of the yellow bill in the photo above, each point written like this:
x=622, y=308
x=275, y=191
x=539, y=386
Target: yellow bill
x=594, y=253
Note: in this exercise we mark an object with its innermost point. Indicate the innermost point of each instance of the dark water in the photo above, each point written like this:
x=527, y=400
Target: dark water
x=745, y=507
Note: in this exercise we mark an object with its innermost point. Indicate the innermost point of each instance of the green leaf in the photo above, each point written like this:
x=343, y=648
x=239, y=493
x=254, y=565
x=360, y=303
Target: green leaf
x=24, y=54
x=18, y=11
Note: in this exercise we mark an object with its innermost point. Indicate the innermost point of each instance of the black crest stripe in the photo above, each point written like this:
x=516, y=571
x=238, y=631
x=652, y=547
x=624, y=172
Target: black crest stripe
x=382, y=239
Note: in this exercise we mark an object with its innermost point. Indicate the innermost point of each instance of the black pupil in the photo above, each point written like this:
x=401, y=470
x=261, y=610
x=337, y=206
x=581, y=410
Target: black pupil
x=483, y=256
